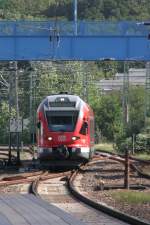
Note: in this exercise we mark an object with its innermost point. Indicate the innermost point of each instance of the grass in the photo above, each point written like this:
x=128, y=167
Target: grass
x=105, y=147
x=131, y=197
x=109, y=148
x=144, y=156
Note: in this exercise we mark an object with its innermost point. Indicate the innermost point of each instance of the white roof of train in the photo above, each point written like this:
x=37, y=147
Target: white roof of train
x=52, y=99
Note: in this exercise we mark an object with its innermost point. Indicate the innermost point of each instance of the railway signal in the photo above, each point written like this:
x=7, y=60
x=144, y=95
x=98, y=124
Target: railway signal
x=16, y=125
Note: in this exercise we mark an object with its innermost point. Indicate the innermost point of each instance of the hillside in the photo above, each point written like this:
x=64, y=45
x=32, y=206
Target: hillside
x=87, y=9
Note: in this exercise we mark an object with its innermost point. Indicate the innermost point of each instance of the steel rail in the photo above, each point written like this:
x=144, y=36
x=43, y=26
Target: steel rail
x=101, y=207
x=122, y=160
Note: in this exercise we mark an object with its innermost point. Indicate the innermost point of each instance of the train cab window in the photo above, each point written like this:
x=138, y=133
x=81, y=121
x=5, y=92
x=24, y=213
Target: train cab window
x=84, y=128
x=62, y=120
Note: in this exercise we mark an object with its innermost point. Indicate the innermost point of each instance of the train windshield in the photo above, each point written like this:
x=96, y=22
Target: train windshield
x=64, y=121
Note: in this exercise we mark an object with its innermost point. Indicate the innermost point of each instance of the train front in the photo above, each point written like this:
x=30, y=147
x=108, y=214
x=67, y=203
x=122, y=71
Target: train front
x=62, y=128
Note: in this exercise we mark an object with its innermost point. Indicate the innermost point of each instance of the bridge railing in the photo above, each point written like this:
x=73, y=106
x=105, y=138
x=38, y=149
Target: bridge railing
x=84, y=28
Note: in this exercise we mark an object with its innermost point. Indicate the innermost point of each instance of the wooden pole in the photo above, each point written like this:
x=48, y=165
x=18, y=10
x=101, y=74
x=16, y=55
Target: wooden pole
x=127, y=170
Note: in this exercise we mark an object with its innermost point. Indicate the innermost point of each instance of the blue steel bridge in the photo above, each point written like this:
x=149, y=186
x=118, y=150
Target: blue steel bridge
x=84, y=40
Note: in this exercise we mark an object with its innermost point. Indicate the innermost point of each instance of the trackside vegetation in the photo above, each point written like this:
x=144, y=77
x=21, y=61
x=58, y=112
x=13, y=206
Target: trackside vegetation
x=131, y=197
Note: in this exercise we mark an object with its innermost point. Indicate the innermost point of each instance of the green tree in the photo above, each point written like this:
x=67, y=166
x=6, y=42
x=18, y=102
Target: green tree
x=136, y=111
x=136, y=122
x=4, y=122
x=108, y=115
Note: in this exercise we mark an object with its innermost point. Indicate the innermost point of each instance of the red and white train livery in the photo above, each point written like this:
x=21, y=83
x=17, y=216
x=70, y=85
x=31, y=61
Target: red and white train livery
x=65, y=128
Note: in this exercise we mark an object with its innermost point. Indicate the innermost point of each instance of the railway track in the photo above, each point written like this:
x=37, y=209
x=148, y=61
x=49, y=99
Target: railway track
x=26, y=157
x=4, y=156
x=106, y=177
x=120, y=156
x=53, y=188
x=19, y=183
x=135, y=163
x=56, y=192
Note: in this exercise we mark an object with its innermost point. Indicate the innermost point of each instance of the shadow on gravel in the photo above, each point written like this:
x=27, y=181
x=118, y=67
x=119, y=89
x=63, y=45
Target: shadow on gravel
x=111, y=177
x=101, y=170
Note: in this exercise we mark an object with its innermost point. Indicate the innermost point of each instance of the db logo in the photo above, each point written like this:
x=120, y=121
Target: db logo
x=61, y=138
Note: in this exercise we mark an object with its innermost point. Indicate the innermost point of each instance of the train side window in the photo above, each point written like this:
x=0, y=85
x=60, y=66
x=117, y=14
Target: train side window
x=84, y=128
x=39, y=125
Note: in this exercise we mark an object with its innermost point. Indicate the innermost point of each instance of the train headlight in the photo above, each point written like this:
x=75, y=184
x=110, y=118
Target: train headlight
x=74, y=138
x=50, y=138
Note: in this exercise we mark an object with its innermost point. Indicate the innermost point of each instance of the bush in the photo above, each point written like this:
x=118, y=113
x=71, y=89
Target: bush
x=26, y=137
x=123, y=143
x=142, y=143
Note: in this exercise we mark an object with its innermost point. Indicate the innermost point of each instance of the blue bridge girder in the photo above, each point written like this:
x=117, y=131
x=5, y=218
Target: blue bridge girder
x=51, y=40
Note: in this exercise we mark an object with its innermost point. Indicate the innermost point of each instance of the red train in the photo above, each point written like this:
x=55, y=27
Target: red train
x=65, y=128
